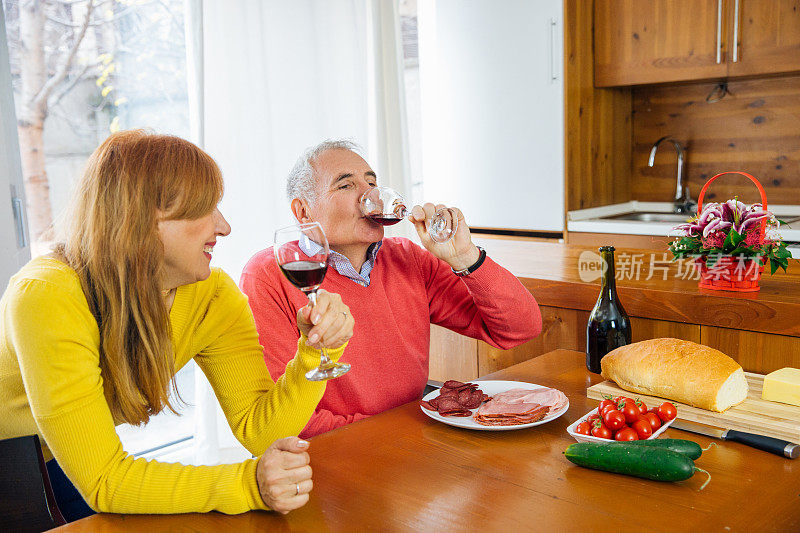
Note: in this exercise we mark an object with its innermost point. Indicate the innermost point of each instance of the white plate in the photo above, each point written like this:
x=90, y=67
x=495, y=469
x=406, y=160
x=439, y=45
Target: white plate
x=491, y=387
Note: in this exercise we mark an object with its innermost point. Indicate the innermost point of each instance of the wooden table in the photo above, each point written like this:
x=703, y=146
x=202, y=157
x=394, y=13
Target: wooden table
x=402, y=471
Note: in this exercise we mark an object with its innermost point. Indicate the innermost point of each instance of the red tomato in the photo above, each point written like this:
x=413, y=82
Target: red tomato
x=606, y=404
x=630, y=410
x=626, y=434
x=601, y=431
x=642, y=407
x=643, y=429
x=614, y=420
x=655, y=422
x=593, y=417
x=667, y=411
x=620, y=399
x=584, y=428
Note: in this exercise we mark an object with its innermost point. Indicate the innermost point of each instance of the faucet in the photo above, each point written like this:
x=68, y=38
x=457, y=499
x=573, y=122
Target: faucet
x=683, y=203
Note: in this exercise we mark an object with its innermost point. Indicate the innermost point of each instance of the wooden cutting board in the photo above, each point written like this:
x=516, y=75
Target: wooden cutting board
x=753, y=415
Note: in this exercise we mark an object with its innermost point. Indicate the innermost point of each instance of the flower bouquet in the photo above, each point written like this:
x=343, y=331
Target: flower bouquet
x=732, y=241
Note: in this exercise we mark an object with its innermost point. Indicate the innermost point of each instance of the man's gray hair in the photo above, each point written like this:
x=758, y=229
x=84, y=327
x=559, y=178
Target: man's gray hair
x=301, y=183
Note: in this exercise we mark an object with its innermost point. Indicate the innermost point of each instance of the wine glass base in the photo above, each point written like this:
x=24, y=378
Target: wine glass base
x=326, y=372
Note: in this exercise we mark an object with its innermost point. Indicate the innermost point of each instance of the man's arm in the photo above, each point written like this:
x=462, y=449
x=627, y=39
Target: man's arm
x=488, y=304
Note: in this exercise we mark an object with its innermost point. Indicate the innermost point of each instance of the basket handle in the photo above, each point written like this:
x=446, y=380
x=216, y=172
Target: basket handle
x=751, y=178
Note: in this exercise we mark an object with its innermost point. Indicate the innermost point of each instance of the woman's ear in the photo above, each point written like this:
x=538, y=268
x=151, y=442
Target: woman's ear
x=301, y=211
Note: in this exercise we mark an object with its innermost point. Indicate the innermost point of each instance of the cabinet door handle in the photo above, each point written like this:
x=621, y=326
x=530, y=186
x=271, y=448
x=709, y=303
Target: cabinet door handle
x=18, y=209
x=736, y=31
x=553, y=51
x=719, y=31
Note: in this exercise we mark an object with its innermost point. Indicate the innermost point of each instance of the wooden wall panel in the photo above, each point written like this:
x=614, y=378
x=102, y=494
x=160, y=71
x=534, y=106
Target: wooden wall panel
x=756, y=352
x=618, y=240
x=597, y=121
x=566, y=329
x=452, y=356
x=643, y=329
x=754, y=129
x=561, y=328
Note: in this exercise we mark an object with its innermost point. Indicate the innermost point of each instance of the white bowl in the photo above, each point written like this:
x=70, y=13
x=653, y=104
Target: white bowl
x=591, y=438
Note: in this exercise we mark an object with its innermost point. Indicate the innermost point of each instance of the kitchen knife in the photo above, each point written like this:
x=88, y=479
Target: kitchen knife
x=767, y=444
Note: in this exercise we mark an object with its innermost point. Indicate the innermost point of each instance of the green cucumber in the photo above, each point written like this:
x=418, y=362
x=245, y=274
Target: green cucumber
x=647, y=462
x=689, y=448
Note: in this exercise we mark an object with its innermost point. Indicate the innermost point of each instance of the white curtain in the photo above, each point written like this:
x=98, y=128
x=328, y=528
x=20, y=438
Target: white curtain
x=269, y=78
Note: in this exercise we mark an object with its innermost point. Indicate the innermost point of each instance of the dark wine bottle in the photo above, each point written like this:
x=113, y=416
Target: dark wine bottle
x=609, y=326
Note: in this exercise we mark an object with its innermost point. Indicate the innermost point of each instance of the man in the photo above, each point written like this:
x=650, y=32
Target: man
x=395, y=289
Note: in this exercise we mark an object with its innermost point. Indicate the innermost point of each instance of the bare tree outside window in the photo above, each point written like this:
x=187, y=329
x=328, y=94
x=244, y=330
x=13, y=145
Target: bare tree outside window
x=82, y=69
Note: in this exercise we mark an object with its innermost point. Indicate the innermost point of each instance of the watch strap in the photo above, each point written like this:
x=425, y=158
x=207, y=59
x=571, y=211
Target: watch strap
x=470, y=269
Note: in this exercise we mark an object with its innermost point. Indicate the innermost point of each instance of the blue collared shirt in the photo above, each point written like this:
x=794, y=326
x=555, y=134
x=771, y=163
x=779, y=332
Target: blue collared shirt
x=344, y=267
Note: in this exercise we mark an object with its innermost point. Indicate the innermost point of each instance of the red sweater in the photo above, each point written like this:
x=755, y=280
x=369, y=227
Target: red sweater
x=409, y=289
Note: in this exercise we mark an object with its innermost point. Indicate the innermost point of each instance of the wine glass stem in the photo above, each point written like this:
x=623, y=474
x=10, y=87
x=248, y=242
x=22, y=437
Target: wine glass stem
x=323, y=357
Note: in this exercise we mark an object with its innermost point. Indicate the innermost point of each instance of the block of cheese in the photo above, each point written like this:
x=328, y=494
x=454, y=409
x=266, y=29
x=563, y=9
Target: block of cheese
x=782, y=386
x=678, y=370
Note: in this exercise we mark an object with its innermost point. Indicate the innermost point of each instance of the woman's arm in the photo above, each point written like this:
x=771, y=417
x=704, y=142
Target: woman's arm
x=258, y=410
x=55, y=339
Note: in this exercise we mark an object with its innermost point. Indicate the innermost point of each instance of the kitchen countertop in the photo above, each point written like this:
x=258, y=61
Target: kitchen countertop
x=402, y=471
x=591, y=220
x=559, y=276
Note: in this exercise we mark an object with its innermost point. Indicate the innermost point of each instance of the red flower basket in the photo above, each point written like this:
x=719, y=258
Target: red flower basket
x=733, y=273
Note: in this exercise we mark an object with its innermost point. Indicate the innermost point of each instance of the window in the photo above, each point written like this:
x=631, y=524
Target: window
x=82, y=69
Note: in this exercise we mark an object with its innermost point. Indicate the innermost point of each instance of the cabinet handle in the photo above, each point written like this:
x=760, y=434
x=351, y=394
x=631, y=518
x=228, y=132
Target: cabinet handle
x=719, y=31
x=18, y=209
x=553, y=44
x=736, y=31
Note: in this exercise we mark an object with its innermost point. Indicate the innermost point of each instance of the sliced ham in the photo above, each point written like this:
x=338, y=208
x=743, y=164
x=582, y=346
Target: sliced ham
x=553, y=398
x=520, y=406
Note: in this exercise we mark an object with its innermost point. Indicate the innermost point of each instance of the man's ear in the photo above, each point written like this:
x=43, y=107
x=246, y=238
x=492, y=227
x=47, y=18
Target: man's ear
x=301, y=211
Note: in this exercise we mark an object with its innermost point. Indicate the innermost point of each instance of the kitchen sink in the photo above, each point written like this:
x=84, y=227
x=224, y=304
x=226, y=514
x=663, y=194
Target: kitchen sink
x=674, y=218
x=650, y=217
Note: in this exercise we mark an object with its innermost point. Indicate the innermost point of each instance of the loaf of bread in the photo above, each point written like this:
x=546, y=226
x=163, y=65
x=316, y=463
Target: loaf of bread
x=679, y=370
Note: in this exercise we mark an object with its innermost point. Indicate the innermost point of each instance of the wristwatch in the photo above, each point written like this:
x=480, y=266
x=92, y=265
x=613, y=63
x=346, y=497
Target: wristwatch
x=470, y=269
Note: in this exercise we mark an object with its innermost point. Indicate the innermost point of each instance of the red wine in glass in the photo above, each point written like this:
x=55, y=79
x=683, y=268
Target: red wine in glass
x=385, y=220
x=302, y=252
x=305, y=275
x=385, y=206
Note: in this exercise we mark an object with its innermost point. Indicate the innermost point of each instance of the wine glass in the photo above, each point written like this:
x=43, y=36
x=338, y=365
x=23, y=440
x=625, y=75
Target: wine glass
x=385, y=206
x=302, y=253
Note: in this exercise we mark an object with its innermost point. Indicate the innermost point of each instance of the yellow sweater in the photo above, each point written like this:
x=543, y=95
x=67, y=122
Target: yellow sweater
x=50, y=385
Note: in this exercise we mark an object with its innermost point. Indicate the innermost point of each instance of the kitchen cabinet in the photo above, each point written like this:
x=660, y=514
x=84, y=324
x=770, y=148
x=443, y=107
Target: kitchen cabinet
x=654, y=41
x=658, y=41
x=767, y=37
x=454, y=356
x=759, y=330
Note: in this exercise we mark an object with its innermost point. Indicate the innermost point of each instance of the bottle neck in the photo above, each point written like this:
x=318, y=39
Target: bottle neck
x=608, y=284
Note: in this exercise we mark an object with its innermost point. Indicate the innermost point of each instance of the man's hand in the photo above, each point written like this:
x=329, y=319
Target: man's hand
x=328, y=324
x=284, y=475
x=459, y=252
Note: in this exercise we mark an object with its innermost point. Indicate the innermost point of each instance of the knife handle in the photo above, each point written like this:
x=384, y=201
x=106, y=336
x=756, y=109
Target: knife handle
x=767, y=444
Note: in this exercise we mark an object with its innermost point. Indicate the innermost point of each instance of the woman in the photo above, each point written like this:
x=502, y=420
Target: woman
x=92, y=336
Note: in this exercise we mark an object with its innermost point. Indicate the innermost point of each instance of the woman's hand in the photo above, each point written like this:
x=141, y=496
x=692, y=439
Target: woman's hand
x=284, y=475
x=328, y=324
x=459, y=252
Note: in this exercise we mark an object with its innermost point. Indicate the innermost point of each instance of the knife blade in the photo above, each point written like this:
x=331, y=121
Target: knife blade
x=761, y=442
